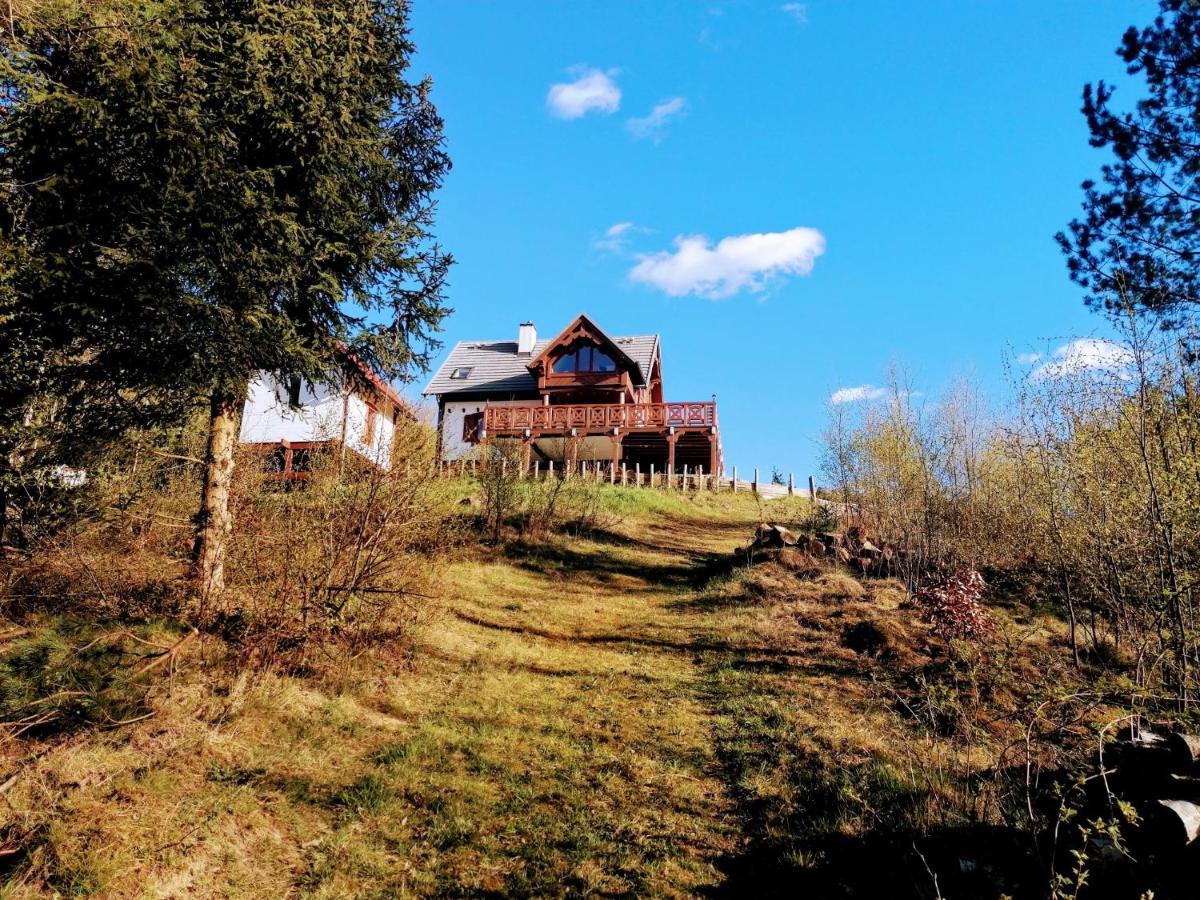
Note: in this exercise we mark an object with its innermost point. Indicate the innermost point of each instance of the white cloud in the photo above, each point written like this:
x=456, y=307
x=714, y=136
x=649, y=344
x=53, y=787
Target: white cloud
x=1028, y=359
x=733, y=264
x=857, y=394
x=1085, y=355
x=616, y=237
x=653, y=125
x=798, y=11
x=591, y=90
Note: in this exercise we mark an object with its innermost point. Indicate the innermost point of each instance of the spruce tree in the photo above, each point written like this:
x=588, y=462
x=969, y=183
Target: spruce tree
x=202, y=189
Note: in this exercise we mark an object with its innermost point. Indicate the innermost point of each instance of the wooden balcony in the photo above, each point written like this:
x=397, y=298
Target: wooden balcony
x=598, y=418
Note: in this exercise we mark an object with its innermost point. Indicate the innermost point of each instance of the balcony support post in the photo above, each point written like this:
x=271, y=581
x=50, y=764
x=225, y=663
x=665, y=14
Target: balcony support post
x=671, y=439
x=616, y=456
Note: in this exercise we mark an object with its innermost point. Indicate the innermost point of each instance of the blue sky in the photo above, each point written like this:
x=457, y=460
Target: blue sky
x=905, y=164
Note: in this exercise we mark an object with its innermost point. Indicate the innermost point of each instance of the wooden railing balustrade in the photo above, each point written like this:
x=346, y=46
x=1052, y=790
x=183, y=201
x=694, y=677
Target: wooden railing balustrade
x=509, y=420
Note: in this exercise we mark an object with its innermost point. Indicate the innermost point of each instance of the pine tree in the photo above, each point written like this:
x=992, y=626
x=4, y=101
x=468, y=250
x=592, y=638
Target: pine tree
x=1138, y=243
x=203, y=189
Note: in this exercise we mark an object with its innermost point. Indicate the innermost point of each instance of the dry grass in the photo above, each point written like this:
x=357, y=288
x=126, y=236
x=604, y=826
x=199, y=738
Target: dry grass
x=614, y=713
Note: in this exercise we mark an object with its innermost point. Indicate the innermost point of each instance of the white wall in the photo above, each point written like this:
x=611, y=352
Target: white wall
x=268, y=419
x=453, y=445
x=380, y=450
x=590, y=449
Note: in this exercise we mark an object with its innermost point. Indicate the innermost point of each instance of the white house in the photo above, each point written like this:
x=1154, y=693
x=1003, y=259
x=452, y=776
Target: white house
x=582, y=395
x=289, y=419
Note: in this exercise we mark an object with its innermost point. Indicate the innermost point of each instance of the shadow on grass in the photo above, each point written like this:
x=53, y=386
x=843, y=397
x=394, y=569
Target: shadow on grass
x=831, y=825
x=684, y=645
x=693, y=570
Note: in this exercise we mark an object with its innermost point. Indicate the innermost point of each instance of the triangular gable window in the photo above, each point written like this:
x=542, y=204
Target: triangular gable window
x=585, y=358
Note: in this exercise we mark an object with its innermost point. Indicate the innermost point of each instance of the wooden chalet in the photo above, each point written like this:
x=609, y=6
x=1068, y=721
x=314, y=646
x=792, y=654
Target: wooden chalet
x=582, y=396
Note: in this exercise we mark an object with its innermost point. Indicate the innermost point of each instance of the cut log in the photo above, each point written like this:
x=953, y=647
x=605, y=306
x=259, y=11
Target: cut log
x=1184, y=748
x=1181, y=822
x=842, y=554
x=869, y=549
x=814, y=547
x=786, y=537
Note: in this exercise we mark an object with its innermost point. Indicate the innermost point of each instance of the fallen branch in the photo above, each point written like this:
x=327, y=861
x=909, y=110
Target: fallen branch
x=167, y=655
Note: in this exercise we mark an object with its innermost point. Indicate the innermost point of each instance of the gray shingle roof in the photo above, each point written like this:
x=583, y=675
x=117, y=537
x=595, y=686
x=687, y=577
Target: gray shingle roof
x=496, y=368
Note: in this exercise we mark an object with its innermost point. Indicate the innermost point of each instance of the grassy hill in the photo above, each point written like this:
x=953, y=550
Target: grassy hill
x=618, y=712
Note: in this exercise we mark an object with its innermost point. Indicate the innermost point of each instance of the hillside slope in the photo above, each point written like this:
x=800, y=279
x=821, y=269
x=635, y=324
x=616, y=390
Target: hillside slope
x=619, y=713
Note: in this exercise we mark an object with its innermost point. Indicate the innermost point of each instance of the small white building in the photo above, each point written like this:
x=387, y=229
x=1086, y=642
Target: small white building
x=290, y=420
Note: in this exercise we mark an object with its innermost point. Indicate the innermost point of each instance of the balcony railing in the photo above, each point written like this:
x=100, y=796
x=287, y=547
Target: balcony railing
x=598, y=417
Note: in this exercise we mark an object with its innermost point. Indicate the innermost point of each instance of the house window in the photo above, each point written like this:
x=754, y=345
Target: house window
x=275, y=462
x=302, y=460
x=471, y=425
x=585, y=358
x=461, y=373
x=372, y=426
x=293, y=390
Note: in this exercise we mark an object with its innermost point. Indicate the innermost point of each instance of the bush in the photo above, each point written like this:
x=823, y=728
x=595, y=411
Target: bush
x=342, y=561
x=953, y=605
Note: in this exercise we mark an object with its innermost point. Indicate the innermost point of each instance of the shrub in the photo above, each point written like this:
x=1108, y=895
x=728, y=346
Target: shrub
x=344, y=560
x=953, y=605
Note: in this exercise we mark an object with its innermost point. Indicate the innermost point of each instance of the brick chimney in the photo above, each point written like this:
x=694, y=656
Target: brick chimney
x=526, y=338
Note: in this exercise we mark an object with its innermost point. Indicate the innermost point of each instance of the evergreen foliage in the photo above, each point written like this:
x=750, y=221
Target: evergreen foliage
x=1138, y=242
x=195, y=190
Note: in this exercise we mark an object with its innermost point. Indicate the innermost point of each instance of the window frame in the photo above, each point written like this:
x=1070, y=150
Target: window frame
x=372, y=426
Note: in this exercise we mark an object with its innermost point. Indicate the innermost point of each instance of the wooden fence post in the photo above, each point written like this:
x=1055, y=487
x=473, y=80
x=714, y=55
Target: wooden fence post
x=791, y=484
x=733, y=481
x=651, y=474
x=812, y=489
x=754, y=483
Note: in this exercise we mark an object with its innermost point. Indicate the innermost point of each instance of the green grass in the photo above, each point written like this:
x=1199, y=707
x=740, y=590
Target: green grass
x=615, y=713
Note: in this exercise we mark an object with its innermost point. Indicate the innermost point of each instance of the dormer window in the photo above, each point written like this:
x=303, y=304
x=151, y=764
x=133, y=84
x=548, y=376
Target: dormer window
x=462, y=373
x=585, y=358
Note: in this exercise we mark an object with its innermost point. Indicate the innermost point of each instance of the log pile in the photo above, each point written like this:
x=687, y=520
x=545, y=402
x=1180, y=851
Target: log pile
x=851, y=548
x=1160, y=773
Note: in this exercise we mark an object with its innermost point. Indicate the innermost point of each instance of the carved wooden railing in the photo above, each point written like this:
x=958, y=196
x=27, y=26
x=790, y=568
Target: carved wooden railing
x=502, y=420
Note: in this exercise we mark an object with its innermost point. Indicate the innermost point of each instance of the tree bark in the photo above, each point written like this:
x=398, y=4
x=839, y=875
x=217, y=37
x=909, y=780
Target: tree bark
x=213, y=520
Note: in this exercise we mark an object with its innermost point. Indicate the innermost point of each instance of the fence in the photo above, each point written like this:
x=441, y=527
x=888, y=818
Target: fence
x=601, y=471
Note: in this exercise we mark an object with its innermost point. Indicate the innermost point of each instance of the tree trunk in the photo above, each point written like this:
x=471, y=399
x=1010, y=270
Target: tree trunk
x=213, y=521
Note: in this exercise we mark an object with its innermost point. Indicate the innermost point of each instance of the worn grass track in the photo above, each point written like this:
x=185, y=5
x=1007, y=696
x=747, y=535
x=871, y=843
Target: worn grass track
x=596, y=715
x=579, y=703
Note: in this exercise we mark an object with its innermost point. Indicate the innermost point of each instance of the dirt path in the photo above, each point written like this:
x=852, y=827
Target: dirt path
x=571, y=749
